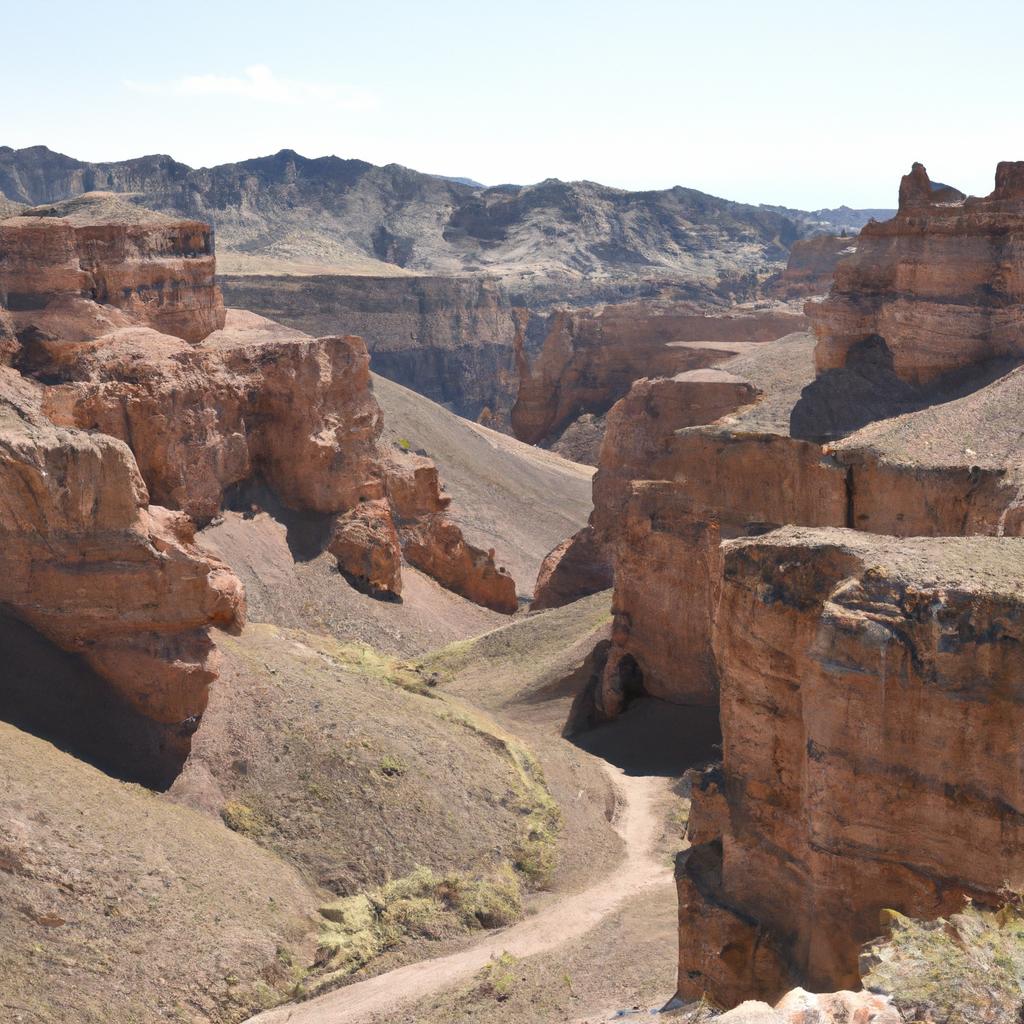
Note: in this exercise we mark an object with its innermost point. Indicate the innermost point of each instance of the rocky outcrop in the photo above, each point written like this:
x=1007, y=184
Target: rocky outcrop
x=365, y=542
x=952, y=468
x=149, y=268
x=940, y=283
x=251, y=400
x=92, y=566
x=447, y=338
x=687, y=462
x=856, y=673
x=589, y=360
x=811, y=266
x=576, y=568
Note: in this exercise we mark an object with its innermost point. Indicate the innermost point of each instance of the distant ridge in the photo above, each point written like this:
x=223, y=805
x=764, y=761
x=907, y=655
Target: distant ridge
x=553, y=241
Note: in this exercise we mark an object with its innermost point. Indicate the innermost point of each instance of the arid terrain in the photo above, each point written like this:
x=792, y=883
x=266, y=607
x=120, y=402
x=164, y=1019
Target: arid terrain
x=632, y=621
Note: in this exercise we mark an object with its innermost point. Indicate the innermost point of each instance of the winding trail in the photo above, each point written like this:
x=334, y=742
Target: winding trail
x=636, y=821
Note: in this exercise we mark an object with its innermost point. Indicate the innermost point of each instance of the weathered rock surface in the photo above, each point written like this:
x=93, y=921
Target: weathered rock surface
x=576, y=568
x=940, y=283
x=98, y=571
x=953, y=468
x=589, y=360
x=801, y=1007
x=436, y=545
x=857, y=673
x=447, y=338
x=689, y=461
x=155, y=270
x=365, y=542
x=812, y=263
x=251, y=399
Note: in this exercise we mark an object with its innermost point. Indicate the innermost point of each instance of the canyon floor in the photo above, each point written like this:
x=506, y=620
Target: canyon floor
x=600, y=940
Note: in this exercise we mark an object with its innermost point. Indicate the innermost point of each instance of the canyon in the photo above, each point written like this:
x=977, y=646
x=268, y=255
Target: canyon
x=372, y=679
x=819, y=537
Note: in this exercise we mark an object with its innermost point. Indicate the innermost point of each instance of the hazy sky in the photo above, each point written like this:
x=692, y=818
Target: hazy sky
x=806, y=104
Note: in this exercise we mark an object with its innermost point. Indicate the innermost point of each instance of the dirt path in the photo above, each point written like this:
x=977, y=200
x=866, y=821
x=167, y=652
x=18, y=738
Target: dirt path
x=637, y=822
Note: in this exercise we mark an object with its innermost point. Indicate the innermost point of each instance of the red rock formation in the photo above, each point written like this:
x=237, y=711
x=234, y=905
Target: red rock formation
x=687, y=462
x=576, y=568
x=435, y=544
x=252, y=399
x=87, y=562
x=812, y=263
x=857, y=674
x=151, y=268
x=953, y=468
x=365, y=542
x=589, y=360
x=940, y=282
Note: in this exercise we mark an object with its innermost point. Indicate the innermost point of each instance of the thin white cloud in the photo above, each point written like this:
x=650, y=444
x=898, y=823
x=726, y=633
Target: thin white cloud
x=259, y=83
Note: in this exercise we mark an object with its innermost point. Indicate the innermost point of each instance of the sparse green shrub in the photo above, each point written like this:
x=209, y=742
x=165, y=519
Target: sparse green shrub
x=498, y=978
x=967, y=969
x=242, y=819
x=393, y=767
x=422, y=904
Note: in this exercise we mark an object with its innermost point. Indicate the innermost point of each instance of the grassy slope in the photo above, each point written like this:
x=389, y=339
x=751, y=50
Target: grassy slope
x=118, y=905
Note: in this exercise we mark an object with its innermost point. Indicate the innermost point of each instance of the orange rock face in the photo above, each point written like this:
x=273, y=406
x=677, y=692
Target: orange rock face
x=435, y=544
x=590, y=360
x=858, y=673
x=941, y=282
x=251, y=400
x=576, y=568
x=365, y=542
x=93, y=567
x=687, y=462
x=153, y=269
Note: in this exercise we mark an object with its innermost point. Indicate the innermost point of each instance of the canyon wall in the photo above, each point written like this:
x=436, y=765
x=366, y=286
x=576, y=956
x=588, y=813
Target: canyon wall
x=447, y=338
x=751, y=512
x=811, y=265
x=158, y=271
x=940, y=283
x=870, y=694
x=117, y=439
x=589, y=359
x=92, y=566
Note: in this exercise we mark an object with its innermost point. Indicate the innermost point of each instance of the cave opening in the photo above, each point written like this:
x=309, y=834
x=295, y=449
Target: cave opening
x=57, y=697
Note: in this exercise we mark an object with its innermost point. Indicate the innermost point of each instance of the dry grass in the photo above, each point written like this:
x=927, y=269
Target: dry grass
x=968, y=969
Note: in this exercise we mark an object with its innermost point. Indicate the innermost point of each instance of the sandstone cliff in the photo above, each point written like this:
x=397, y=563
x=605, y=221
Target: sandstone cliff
x=103, y=413
x=858, y=673
x=447, y=338
x=855, y=672
x=589, y=359
x=940, y=283
x=157, y=270
x=811, y=266
x=101, y=573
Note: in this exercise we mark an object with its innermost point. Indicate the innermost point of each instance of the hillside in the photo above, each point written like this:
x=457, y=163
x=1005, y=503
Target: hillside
x=550, y=242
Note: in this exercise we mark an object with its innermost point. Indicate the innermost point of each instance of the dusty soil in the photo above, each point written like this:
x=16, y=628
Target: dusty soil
x=118, y=905
x=289, y=586
x=520, y=500
x=638, y=824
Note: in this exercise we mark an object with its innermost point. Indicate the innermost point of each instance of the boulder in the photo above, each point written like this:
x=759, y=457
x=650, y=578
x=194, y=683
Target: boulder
x=576, y=568
x=365, y=542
